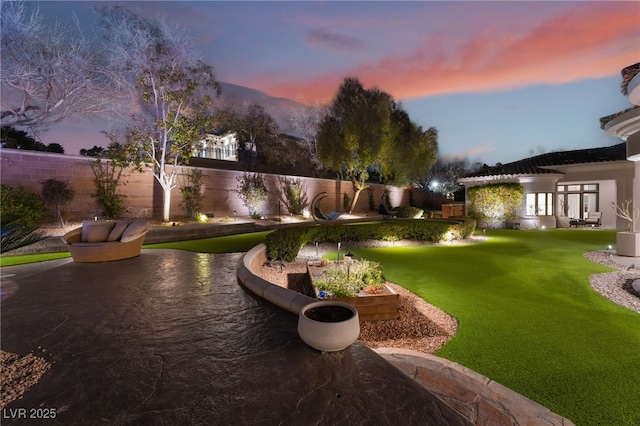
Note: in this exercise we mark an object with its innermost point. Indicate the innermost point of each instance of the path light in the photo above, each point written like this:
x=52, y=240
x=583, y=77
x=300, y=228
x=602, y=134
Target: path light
x=348, y=258
x=317, y=250
x=338, y=256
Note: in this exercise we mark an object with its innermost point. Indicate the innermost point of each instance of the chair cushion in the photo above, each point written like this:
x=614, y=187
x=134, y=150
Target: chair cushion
x=134, y=230
x=95, y=231
x=118, y=230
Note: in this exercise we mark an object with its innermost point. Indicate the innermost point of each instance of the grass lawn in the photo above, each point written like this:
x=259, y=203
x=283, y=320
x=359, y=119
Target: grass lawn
x=530, y=320
x=226, y=244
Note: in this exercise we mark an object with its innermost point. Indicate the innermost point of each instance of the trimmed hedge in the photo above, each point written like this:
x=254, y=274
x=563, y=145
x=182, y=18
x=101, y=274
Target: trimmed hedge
x=285, y=243
x=409, y=212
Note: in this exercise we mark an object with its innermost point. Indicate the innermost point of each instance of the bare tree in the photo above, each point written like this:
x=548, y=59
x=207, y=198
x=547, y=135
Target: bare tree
x=49, y=73
x=174, y=85
x=305, y=120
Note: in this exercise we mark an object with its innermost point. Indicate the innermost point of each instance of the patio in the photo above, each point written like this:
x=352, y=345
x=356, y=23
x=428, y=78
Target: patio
x=170, y=337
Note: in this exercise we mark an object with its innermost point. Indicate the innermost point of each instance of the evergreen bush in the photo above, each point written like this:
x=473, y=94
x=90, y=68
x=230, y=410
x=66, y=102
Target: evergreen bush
x=21, y=207
x=285, y=243
x=409, y=212
x=494, y=203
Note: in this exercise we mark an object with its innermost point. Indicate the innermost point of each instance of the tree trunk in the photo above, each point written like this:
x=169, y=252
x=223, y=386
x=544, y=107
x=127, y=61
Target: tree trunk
x=166, y=199
x=356, y=195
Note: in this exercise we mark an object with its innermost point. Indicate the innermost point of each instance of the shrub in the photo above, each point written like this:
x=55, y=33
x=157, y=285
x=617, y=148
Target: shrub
x=409, y=212
x=345, y=280
x=494, y=203
x=58, y=194
x=108, y=171
x=285, y=243
x=295, y=195
x=14, y=237
x=192, y=192
x=20, y=207
x=252, y=190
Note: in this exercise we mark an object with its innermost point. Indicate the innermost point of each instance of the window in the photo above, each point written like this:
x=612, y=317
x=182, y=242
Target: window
x=539, y=204
x=575, y=201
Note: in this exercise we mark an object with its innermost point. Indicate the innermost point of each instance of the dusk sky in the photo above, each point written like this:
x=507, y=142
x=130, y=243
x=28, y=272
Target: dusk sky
x=501, y=81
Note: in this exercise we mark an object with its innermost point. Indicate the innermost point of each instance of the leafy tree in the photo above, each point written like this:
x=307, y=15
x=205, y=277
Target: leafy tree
x=255, y=129
x=19, y=139
x=493, y=203
x=443, y=176
x=58, y=194
x=92, y=152
x=252, y=189
x=174, y=84
x=49, y=72
x=55, y=147
x=367, y=131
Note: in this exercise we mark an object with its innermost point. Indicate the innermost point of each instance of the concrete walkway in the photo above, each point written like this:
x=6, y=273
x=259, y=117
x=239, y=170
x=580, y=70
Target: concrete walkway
x=169, y=337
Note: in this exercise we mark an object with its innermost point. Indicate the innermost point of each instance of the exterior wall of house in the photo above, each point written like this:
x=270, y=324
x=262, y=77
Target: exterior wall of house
x=614, y=180
x=144, y=196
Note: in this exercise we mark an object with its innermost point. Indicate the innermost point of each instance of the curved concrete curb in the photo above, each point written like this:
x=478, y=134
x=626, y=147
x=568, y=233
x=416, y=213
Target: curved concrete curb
x=287, y=299
x=481, y=400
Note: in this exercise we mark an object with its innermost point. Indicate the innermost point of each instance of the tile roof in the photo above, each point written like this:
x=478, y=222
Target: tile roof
x=539, y=164
x=627, y=75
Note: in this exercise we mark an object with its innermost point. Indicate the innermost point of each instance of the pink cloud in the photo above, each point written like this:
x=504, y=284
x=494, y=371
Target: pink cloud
x=590, y=40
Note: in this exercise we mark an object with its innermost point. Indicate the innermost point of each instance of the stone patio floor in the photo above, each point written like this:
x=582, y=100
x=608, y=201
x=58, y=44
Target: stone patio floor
x=171, y=338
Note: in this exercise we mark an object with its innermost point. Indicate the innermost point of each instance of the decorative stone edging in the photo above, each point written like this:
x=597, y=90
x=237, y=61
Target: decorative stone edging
x=481, y=400
x=289, y=300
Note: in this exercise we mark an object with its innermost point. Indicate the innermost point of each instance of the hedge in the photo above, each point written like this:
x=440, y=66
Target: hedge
x=285, y=243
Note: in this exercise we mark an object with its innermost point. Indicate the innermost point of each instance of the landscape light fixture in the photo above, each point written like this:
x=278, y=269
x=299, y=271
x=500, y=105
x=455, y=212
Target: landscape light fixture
x=348, y=258
x=338, y=256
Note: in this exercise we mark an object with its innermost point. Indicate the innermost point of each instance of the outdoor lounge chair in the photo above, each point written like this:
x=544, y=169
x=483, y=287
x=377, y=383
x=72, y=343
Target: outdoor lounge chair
x=386, y=213
x=593, y=219
x=102, y=241
x=329, y=216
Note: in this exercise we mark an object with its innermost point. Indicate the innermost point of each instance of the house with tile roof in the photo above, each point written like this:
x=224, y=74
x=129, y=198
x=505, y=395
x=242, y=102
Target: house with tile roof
x=562, y=188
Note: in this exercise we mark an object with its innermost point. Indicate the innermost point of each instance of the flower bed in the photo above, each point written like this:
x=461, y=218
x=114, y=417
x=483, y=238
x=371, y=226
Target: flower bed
x=373, y=299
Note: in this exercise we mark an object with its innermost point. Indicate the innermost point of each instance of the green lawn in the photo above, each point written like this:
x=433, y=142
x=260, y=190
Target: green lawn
x=226, y=244
x=530, y=320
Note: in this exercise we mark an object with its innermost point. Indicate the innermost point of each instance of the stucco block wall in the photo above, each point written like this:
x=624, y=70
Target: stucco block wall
x=143, y=195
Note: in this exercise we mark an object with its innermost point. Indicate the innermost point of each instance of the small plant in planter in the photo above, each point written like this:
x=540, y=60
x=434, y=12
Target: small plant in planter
x=348, y=279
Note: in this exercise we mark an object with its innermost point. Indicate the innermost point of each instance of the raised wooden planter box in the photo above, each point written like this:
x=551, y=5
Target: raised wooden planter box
x=371, y=307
